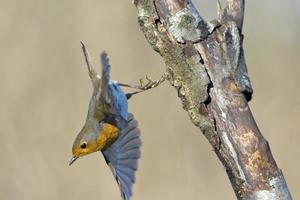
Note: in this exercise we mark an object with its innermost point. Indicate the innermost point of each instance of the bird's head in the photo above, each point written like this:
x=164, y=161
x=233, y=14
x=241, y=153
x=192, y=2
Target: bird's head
x=94, y=136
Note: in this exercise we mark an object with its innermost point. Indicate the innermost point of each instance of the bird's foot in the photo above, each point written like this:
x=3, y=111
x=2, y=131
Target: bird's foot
x=145, y=84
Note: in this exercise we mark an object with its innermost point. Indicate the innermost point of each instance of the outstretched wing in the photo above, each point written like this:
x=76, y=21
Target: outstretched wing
x=122, y=156
x=115, y=100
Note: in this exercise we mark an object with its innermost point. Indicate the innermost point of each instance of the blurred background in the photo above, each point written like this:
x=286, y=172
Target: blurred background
x=45, y=89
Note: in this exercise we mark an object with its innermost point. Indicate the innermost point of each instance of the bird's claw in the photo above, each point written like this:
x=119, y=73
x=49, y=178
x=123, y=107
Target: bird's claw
x=150, y=83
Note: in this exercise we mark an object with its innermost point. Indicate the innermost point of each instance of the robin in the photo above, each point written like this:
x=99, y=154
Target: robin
x=109, y=127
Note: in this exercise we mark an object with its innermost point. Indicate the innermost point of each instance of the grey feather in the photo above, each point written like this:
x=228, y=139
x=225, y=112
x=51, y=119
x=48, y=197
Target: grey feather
x=123, y=156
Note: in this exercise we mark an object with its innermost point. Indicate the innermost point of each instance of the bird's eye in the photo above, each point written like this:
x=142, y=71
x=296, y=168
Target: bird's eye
x=83, y=145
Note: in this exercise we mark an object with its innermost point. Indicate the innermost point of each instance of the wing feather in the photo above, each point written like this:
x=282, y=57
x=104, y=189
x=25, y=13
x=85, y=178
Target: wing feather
x=115, y=101
x=122, y=156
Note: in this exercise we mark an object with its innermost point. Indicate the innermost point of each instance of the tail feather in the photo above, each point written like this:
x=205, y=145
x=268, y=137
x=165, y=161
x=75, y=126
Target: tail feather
x=105, y=70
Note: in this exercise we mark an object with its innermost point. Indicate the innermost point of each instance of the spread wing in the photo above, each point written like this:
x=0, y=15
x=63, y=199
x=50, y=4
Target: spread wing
x=122, y=156
x=115, y=100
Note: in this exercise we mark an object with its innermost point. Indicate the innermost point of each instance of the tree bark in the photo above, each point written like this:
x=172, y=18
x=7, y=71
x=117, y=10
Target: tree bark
x=206, y=64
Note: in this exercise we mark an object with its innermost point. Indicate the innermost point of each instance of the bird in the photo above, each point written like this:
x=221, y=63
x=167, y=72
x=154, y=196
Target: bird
x=109, y=127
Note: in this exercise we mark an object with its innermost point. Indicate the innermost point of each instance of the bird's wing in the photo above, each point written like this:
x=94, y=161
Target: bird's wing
x=115, y=100
x=122, y=156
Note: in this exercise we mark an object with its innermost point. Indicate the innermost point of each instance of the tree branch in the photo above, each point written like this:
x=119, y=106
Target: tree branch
x=235, y=10
x=206, y=64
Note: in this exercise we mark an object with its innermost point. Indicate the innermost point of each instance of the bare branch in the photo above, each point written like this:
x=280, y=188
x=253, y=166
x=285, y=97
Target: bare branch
x=205, y=61
x=235, y=11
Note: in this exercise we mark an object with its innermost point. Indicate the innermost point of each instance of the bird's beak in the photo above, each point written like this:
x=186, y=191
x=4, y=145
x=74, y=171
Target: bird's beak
x=73, y=160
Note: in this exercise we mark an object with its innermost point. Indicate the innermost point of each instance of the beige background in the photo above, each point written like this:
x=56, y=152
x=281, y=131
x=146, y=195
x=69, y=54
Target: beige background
x=44, y=90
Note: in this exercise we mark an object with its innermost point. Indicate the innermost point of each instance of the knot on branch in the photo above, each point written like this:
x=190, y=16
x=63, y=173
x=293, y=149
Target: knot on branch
x=184, y=26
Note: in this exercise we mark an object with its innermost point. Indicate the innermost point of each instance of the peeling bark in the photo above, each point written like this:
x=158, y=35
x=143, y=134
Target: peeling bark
x=206, y=65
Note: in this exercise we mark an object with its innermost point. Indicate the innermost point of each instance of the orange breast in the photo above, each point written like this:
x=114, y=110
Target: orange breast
x=108, y=136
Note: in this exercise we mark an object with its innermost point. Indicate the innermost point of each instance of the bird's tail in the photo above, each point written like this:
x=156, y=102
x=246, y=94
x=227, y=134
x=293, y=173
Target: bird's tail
x=105, y=71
